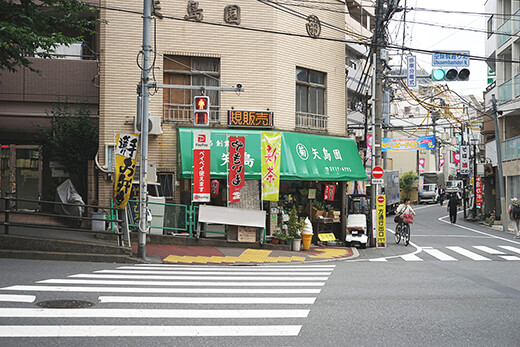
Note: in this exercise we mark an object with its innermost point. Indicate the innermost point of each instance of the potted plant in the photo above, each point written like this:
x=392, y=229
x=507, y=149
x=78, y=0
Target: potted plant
x=276, y=238
x=294, y=227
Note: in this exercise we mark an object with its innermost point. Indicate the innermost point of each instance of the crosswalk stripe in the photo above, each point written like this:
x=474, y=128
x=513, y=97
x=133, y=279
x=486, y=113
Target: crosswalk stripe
x=186, y=283
x=511, y=248
x=199, y=278
x=411, y=257
x=241, y=268
x=17, y=298
x=209, y=300
x=149, y=313
x=466, y=253
x=438, y=254
x=128, y=270
x=488, y=250
x=143, y=290
x=509, y=257
x=146, y=330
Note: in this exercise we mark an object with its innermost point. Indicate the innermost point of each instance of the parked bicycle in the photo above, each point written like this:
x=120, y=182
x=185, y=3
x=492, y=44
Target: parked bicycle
x=402, y=230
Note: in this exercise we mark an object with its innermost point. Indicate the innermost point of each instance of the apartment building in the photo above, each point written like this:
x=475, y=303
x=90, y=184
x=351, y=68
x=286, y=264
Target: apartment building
x=503, y=54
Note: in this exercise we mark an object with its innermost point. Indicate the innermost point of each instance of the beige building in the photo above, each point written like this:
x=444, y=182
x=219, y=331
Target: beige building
x=264, y=48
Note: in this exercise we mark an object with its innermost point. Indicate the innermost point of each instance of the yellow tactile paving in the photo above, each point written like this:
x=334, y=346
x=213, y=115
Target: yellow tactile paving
x=254, y=256
x=330, y=253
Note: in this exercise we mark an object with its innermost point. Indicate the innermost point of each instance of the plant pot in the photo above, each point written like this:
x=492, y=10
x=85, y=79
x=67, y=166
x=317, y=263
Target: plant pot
x=282, y=242
x=296, y=244
x=275, y=240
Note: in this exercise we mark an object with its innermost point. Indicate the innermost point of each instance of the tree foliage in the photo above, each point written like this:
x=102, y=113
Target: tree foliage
x=28, y=26
x=406, y=182
x=74, y=138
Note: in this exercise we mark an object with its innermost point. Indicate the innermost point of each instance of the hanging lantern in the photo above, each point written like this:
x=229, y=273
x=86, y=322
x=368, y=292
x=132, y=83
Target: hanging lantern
x=214, y=188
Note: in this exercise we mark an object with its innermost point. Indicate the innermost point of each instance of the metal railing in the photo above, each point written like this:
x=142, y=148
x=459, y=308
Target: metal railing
x=505, y=91
x=58, y=215
x=184, y=113
x=311, y=121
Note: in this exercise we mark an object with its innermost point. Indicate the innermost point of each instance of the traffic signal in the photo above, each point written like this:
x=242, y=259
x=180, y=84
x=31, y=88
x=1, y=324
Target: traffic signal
x=201, y=111
x=450, y=74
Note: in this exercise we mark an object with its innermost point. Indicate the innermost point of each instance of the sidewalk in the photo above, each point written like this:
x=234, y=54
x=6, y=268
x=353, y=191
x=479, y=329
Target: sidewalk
x=174, y=254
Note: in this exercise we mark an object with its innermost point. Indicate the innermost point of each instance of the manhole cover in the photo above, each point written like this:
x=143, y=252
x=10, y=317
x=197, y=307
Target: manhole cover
x=65, y=304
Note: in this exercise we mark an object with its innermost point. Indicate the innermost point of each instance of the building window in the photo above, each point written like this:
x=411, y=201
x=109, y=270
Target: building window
x=490, y=28
x=189, y=71
x=166, y=180
x=310, y=99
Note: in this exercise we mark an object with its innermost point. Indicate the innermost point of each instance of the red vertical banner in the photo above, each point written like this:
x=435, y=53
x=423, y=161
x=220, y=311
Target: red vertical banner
x=236, y=167
x=441, y=164
x=422, y=163
x=478, y=188
x=201, y=166
x=456, y=160
x=330, y=189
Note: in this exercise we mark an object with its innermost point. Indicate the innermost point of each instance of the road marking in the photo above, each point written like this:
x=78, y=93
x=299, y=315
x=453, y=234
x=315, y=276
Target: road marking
x=164, y=290
x=146, y=330
x=131, y=270
x=17, y=298
x=510, y=248
x=443, y=219
x=378, y=259
x=200, y=278
x=209, y=300
x=509, y=257
x=411, y=257
x=186, y=283
x=438, y=254
x=488, y=250
x=240, y=268
x=466, y=253
x=148, y=313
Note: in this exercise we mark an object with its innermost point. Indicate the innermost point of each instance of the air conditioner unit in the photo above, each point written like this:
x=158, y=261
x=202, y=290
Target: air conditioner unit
x=154, y=125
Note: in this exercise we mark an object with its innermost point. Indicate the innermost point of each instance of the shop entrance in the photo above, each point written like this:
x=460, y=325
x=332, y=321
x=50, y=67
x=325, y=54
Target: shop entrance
x=20, y=174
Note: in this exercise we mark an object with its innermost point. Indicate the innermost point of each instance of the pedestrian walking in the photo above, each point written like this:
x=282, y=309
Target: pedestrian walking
x=514, y=215
x=441, y=192
x=452, y=208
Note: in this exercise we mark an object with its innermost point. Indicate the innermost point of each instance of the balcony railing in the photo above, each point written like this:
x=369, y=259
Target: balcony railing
x=509, y=28
x=511, y=149
x=505, y=91
x=184, y=113
x=311, y=121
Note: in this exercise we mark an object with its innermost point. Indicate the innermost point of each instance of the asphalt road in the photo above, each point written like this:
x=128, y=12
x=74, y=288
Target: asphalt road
x=385, y=297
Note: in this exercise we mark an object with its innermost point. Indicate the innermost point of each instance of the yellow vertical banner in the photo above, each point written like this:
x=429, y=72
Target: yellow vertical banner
x=271, y=155
x=381, y=220
x=125, y=152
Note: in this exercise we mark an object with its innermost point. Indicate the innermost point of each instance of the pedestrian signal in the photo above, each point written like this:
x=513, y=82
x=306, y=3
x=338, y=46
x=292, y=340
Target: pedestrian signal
x=201, y=110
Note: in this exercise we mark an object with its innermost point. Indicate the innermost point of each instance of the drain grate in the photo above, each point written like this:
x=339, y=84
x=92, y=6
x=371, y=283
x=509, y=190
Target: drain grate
x=65, y=304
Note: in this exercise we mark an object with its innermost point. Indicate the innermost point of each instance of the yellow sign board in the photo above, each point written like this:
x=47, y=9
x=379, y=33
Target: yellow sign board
x=327, y=237
x=381, y=220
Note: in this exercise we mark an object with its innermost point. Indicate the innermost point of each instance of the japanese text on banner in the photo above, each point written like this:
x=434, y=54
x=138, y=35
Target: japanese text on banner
x=236, y=167
x=271, y=155
x=201, y=166
x=125, y=151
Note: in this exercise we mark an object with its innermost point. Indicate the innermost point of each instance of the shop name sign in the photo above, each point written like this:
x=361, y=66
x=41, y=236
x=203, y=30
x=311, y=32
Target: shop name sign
x=250, y=119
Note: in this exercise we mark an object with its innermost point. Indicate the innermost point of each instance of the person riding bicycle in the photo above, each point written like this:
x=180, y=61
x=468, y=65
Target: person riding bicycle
x=404, y=208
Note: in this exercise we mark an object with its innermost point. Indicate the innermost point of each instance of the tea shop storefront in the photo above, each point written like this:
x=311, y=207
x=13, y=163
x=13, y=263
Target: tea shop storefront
x=311, y=167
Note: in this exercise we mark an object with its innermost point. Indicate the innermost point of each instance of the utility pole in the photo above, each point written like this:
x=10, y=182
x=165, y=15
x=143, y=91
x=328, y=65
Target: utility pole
x=144, y=110
x=377, y=94
x=503, y=214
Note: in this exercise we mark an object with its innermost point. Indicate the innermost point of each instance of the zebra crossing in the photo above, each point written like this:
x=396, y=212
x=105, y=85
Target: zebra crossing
x=456, y=253
x=196, y=299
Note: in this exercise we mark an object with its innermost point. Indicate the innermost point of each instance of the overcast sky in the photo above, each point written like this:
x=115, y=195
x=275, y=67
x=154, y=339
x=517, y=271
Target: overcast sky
x=435, y=37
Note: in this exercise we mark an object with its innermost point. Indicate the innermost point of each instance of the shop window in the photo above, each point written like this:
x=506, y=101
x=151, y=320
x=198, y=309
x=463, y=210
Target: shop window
x=189, y=71
x=166, y=180
x=310, y=100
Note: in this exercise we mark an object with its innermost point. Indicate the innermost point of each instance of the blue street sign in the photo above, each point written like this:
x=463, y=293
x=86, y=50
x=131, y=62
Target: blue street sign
x=451, y=59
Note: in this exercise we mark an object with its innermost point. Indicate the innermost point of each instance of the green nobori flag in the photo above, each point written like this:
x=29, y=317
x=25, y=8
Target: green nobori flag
x=304, y=156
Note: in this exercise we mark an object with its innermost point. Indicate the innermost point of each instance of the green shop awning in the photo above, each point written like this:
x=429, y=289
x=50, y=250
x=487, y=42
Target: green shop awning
x=304, y=156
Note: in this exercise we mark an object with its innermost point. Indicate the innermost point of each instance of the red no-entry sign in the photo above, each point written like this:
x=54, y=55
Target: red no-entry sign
x=380, y=199
x=377, y=172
